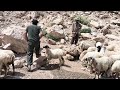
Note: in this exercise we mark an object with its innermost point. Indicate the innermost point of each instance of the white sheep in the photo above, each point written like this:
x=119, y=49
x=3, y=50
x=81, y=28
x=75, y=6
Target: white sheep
x=54, y=54
x=90, y=54
x=98, y=44
x=7, y=57
x=82, y=54
x=115, y=69
x=90, y=49
x=99, y=65
x=95, y=54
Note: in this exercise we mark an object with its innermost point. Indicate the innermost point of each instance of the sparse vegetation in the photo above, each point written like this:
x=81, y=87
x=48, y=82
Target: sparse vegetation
x=83, y=20
x=88, y=30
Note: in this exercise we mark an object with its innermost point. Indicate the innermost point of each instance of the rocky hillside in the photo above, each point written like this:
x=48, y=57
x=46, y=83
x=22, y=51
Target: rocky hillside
x=100, y=23
x=103, y=26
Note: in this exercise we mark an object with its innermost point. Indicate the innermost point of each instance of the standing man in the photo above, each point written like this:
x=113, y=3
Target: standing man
x=75, y=31
x=32, y=36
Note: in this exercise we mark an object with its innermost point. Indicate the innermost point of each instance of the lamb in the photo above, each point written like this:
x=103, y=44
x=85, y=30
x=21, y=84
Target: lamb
x=99, y=65
x=54, y=54
x=115, y=69
x=7, y=58
x=41, y=61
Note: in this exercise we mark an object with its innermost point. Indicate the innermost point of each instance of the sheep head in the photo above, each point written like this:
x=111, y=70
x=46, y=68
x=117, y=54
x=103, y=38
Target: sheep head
x=91, y=64
x=46, y=46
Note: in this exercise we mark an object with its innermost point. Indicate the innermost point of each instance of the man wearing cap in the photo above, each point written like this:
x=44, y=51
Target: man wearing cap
x=75, y=31
x=32, y=36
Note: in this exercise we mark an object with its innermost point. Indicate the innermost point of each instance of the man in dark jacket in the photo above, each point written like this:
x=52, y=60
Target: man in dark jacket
x=75, y=31
x=32, y=36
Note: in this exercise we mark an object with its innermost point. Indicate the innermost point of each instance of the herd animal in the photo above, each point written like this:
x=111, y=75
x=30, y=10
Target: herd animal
x=97, y=59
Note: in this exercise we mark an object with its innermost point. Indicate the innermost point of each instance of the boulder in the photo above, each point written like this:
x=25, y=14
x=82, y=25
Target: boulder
x=84, y=45
x=99, y=39
x=55, y=36
x=97, y=24
x=18, y=63
x=14, y=31
x=52, y=42
x=69, y=57
x=115, y=22
x=62, y=41
x=58, y=20
x=17, y=45
x=112, y=37
x=86, y=35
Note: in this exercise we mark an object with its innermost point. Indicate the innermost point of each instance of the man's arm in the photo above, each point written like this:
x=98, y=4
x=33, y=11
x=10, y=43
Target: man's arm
x=73, y=27
x=25, y=36
x=41, y=35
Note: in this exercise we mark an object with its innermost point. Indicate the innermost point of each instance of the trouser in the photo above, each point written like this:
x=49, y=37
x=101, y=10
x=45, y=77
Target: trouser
x=75, y=38
x=31, y=46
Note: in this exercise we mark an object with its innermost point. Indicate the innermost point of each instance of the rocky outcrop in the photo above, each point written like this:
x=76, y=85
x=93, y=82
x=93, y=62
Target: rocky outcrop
x=17, y=45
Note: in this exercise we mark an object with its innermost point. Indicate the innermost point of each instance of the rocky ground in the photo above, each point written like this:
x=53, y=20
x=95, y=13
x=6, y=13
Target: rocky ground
x=104, y=25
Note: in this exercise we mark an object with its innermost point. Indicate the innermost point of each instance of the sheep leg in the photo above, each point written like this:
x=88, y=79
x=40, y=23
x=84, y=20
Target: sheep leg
x=117, y=75
x=98, y=76
x=13, y=67
x=0, y=69
x=6, y=70
x=95, y=75
x=61, y=59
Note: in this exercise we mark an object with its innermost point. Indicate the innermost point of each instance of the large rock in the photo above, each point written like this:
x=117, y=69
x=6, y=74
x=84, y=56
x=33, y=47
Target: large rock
x=116, y=22
x=52, y=42
x=84, y=45
x=55, y=36
x=69, y=57
x=97, y=25
x=94, y=23
x=62, y=41
x=19, y=63
x=99, y=38
x=58, y=20
x=86, y=36
x=112, y=37
x=14, y=31
x=17, y=45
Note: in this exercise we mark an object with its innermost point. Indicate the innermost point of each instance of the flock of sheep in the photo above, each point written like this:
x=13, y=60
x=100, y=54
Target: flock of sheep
x=100, y=62
x=100, y=59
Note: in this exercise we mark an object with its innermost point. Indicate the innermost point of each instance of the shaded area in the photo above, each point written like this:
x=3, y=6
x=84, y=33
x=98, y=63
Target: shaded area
x=63, y=74
x=10, y=75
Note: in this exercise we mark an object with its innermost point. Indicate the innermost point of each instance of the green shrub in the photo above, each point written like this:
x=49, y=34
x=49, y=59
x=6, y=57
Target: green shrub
x=83, y=20
x=85, y=30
